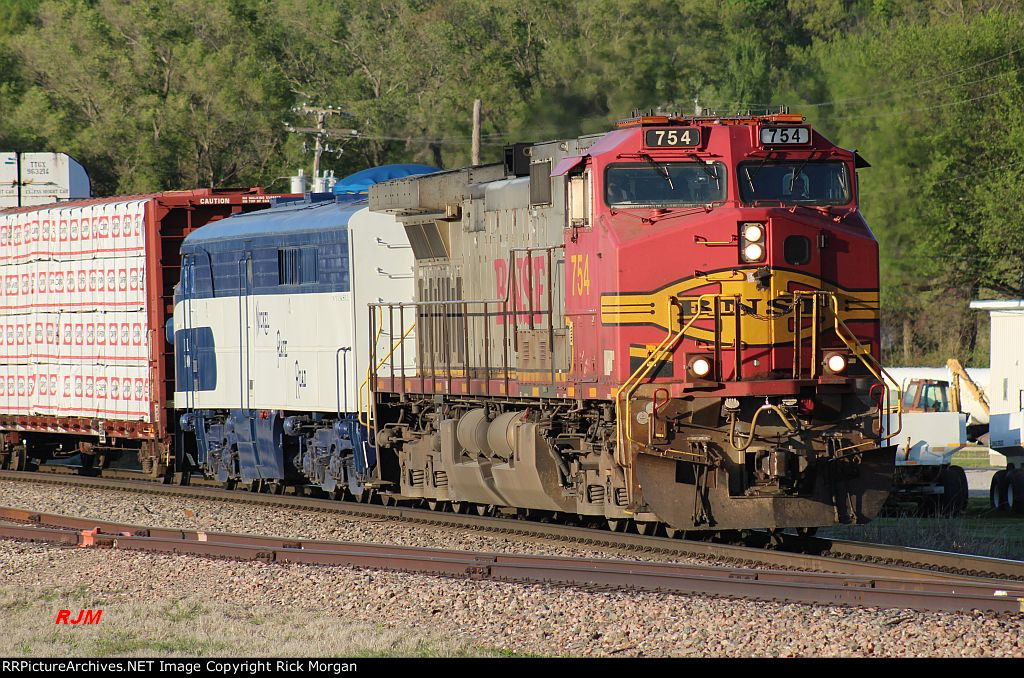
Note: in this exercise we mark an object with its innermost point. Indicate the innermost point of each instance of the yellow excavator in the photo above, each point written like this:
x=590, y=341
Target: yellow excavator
x=960, y=376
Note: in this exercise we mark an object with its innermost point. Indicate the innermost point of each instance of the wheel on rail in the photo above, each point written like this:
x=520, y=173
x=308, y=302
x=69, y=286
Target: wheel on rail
x=230, y=484
x=675, y=533
x=436, y=505
x=458, y=507
x=21, y=459
x=997, y=491
x=617, y=524
x=482, y=509
x=806, y=531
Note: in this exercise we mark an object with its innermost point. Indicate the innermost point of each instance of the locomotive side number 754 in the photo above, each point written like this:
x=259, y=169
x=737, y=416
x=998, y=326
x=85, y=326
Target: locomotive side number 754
x=580, y=283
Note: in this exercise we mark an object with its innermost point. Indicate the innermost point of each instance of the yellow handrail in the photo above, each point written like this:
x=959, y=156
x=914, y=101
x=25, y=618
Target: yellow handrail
x=671, y=340
x=874, y=366
x=629, y=387
x=370, y=371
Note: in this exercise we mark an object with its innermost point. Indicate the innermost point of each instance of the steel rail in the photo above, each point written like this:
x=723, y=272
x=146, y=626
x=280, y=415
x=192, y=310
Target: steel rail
x=825, y=555
x=757, y=584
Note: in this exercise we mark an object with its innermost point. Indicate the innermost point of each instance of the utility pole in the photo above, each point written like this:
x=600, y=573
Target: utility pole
x=320, y=133
x=476, y=132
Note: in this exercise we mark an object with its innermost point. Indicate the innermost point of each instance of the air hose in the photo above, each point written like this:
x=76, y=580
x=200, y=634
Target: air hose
x=753, y=425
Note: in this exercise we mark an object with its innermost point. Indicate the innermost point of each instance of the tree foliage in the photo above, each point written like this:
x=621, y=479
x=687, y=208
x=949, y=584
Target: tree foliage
x=166, y=94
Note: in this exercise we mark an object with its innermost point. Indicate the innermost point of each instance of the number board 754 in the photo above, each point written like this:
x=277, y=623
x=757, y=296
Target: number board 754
x=673, y=137
x=778, y=136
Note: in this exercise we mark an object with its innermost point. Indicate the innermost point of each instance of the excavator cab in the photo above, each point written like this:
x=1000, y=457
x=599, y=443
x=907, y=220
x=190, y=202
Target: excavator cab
x=926, y=395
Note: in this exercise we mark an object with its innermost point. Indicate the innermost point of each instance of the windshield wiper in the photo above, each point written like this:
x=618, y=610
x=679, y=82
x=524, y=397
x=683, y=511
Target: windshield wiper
x=757, y=170
x=799, y=170
x=713, y=173
x=662, y=170
x=750, y=180
x=760, y=166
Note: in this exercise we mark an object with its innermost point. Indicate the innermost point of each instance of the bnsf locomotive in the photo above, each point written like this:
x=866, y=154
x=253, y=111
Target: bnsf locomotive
x=675, y=322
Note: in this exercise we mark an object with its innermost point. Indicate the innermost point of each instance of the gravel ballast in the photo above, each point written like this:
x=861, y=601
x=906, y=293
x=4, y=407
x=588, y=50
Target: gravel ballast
x=463, y=616
x=152, y=510
x=496, y=617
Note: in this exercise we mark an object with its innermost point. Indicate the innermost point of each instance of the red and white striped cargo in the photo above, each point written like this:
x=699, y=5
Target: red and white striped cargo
x=75, y=305
x=84, y=290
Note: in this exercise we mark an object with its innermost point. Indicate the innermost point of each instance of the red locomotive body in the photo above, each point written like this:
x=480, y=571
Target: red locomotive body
x=672, y=323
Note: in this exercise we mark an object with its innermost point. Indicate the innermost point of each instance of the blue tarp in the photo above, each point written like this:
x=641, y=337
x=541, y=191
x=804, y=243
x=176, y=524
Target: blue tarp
x=358, y=184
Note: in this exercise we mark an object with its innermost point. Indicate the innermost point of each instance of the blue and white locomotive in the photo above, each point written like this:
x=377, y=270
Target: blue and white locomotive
x=271, y=339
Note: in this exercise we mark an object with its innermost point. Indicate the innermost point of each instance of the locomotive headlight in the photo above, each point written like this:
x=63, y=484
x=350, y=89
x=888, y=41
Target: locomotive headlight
x=836, y=363
x=752, y=241
x=753, y=252
x=700, y=366
x=753, y=232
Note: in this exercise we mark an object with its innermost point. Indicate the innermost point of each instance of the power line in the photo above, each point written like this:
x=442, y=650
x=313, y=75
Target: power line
x=947, y=87
x=904, y=111
x=959, y=179
x=356, y=134
x=874, y=97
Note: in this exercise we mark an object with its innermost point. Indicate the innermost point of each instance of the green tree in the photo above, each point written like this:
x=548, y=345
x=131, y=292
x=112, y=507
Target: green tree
x=151, y=95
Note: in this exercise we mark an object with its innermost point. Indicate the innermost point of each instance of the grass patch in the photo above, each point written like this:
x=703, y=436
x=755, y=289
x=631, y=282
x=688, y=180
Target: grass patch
x=182, y=610
x=973, y=457
x=192, y=627
x=980, y=531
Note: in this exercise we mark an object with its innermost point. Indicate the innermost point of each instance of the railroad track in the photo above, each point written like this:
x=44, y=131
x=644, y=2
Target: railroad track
x=795, y=553
x=759, y=584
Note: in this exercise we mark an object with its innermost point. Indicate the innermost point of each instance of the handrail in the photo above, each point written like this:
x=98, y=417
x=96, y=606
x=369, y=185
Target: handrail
x=370, y=371
x=629, y=387
x=338, y=379
x=847, y=336
x=625, y=394
x=507, y=308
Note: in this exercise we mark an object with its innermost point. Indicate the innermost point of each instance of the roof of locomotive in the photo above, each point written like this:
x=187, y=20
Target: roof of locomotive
x=315, y=213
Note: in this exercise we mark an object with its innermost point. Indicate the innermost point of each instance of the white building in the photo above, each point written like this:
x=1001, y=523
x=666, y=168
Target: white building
x=1006, y=373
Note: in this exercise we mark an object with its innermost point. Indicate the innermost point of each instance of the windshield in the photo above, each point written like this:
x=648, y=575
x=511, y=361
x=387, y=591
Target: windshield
x=806, y=183
x=660, y=184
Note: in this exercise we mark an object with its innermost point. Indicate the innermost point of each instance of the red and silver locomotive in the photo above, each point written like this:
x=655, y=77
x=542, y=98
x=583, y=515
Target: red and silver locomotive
x=674, y=323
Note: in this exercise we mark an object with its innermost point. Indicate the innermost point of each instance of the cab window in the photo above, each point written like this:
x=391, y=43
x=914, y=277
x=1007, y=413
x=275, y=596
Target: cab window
x=664, y=184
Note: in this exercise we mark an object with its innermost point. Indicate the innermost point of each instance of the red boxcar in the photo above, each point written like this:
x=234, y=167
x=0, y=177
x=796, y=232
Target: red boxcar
x=86, y=288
